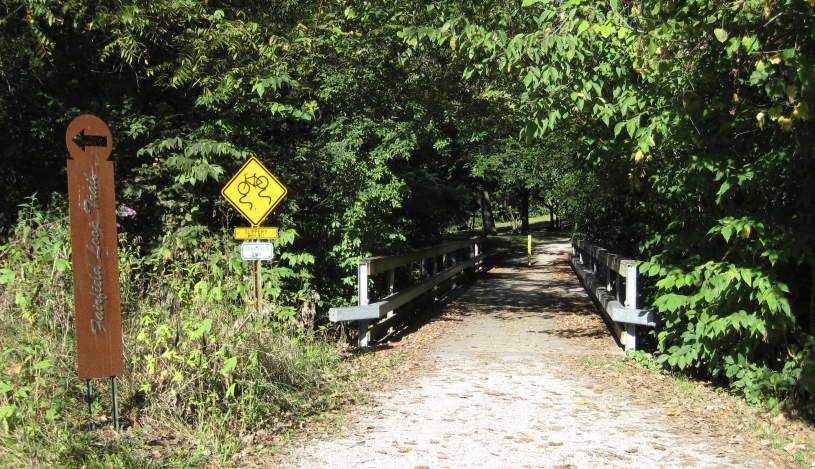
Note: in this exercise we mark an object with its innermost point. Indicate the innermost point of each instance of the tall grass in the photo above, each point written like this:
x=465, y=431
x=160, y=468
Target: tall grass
x=200, y=364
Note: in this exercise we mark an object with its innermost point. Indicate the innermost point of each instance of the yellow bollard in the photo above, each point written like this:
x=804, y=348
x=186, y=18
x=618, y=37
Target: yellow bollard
x=529, y=250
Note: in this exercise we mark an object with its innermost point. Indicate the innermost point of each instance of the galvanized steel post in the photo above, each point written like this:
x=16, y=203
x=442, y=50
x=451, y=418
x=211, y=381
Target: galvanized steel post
x=631, y=302
x=364, y=335
x=391, y=290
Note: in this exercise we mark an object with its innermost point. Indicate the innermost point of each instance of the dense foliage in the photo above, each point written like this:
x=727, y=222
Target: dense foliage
x=677, y=132
x=195, y=354
x=696, y=150
x=322, y=93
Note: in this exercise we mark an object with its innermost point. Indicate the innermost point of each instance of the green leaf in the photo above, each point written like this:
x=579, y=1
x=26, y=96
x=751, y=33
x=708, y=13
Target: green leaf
x=42, y=365
x=60, y=264
x=631, y=126
x=722, y=190
x=721, y=34
x=203, y=328
x=6, y=276
x=750, y=44
x=527, y=3
x=727, y=232
x=229, y=366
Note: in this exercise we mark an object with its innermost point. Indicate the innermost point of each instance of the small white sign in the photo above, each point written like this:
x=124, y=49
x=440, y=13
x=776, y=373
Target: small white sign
x=257, y=251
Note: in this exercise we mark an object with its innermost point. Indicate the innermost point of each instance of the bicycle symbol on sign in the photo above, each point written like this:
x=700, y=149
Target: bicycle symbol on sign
x=258, y=182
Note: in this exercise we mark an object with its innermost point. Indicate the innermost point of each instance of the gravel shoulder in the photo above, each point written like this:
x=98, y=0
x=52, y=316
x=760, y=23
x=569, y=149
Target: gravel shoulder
x=520, y=371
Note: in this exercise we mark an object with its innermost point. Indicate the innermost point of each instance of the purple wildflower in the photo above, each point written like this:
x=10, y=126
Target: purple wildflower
x=126, y=212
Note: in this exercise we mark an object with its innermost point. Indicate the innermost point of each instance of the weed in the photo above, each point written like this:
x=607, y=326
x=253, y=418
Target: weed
x=196, y=355
x=643, y=359
x=592, y=362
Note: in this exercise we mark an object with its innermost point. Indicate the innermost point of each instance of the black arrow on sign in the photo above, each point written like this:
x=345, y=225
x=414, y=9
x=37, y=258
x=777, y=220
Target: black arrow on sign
x=82, y=140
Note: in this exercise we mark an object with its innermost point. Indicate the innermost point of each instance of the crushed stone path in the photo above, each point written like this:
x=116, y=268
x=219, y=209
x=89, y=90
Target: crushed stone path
x=502, y=388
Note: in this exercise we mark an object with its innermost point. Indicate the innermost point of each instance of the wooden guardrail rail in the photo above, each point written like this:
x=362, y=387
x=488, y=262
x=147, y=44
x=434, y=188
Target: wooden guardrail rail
x=611, y=281
x=438, y=264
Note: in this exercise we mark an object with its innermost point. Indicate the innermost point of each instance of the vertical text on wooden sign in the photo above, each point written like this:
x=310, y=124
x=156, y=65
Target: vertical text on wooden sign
x=94, y=257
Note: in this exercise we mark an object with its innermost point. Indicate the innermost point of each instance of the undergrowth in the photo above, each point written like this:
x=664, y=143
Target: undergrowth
x=202, y=367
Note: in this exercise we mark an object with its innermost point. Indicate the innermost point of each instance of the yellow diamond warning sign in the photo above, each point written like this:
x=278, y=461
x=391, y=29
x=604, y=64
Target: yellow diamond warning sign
x=254, y=191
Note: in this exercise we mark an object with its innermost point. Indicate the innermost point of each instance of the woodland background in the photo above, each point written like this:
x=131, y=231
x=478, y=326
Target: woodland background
x=678, y=133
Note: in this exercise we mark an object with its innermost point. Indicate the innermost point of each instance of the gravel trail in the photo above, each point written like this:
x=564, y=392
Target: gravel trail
x=503, y=388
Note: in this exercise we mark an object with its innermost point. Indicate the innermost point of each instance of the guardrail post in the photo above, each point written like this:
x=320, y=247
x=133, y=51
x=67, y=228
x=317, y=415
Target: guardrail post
x=453, y=283
x=593, y=259
x=631, y=302
x=435, y=269
x=610, y=274
x=364, y=335
x=391, y=289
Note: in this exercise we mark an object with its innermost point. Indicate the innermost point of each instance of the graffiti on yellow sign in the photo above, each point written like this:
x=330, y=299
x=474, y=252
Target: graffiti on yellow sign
x=254, y=191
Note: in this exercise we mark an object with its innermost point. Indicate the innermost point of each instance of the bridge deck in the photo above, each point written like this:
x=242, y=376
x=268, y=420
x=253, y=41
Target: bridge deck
x=510, y=383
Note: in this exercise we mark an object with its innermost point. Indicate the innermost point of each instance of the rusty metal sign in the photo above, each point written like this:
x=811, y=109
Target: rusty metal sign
x=94, y=253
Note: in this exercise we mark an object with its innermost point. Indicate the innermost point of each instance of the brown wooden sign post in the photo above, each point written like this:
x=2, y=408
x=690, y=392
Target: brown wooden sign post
x=94, y=253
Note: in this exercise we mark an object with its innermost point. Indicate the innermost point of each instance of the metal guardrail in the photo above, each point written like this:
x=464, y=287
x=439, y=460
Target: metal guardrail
x=438, y=264
x=611, y=281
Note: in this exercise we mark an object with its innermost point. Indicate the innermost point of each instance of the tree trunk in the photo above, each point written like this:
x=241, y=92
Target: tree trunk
x=524, y=212
x=811, y=261
x=551, y=217
x=486, y=212
x=812, y=301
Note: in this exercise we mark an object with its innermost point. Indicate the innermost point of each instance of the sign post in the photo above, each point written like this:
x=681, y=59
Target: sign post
x=254, y=192
x=257, y=251
x=94, y=254
x=529, y=250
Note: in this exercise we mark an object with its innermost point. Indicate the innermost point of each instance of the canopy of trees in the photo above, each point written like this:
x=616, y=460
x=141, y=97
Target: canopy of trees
x=674, y=132
x=692, y=148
